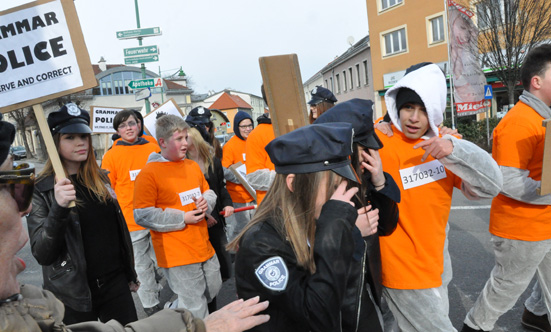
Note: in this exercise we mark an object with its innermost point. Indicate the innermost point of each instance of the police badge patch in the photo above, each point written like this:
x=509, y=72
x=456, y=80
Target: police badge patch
x=273, y=273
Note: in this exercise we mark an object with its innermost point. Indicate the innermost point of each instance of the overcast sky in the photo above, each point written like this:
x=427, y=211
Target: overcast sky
x=218, y=42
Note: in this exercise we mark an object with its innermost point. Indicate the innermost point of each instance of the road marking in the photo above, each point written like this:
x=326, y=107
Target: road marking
x=472, y=207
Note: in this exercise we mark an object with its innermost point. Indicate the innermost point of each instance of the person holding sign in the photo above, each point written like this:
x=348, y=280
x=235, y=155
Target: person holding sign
x=123, y=162
x=234, y=152
x=416, y=266
x=172, y=198
x=520, y=218
x=85, y=251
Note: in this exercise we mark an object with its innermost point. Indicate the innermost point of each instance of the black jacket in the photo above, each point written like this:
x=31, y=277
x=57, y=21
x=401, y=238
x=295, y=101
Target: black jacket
x=308, y=302
x=56, y=243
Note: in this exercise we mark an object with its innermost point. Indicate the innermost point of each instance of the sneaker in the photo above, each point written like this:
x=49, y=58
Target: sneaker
x=467, y=328
x=153, y=310
x=535, y=323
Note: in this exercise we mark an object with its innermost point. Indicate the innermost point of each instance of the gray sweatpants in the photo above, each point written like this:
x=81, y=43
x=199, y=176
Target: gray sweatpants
x=144, y=263
x=195, y=284
x=516, y=263
x=236, y=222
x=536, y=303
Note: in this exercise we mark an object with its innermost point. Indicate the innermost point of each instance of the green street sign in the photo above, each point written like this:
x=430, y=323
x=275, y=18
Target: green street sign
x=142, y=50
x=135, y=33
x=146, y=83
x=140, y=59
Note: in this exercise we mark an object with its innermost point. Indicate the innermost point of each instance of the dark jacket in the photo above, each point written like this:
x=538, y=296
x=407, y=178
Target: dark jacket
x=56, y=243
x=307, y=302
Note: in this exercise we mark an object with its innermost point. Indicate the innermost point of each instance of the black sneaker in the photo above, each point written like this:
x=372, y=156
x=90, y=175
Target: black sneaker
x=153, y=310
x=535, y=323
x=467, y=328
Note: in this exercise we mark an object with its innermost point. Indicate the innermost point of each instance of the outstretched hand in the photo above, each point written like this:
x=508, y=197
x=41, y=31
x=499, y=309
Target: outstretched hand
x=436, y=147
x=237, y=316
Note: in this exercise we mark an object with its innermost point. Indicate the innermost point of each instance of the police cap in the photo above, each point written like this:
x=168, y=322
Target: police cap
x=199, y=114
x=314, y=148
x=69, y=119
x=320, y=94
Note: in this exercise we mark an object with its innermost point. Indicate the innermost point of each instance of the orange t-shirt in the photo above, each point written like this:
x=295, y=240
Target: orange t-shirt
x=257, y=157
x=124, y=162
x=148, y=138
x=171, y=185
x=518, y=142
x=234, y=152
x=412, y=257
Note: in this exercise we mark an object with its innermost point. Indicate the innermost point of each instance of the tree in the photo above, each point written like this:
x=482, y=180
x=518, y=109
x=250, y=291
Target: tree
x=509, y=29
x=20, y=116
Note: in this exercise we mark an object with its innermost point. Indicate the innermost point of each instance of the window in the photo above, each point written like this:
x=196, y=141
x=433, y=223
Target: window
x=344, y=82
x=337, y=78
x=117, y=83
x=351, y=78
x=358, y=75
x=494, y=13
x=389, y=3
x=437, y=29
x=483, y=16
x=366, y=73
x=327, y=86
x=331, y=81
x=395, y=42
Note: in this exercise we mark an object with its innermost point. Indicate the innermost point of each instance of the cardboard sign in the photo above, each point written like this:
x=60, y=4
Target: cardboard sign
x=102, y=119
x=240, y=172
x=545, y=186
x=283, y=87
x=169, y=107
x=42, y=54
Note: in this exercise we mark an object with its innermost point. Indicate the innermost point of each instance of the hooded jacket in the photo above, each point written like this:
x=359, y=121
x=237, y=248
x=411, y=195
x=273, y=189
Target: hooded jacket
x=240, y=116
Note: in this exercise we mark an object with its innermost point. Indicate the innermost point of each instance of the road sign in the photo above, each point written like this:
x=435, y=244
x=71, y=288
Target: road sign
x=146, y=83
x=140, y=59
x=143, y=50
x=135, y=33
x=488, y=92
x=142, y=94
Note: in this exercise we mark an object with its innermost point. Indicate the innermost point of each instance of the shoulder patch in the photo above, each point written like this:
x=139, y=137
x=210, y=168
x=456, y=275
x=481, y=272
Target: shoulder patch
x=273, y=273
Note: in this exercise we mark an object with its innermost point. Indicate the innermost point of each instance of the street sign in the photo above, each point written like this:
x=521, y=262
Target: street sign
x=488, y=92
x=142, y=94
x=140, y=59
x=135, y=33
x=143, y=50
x=146, y=83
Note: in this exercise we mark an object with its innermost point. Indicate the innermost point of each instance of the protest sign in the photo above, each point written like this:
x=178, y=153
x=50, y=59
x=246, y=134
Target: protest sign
x=102, y=119
x=42, y=54
x=169, y=107
x=240, y=171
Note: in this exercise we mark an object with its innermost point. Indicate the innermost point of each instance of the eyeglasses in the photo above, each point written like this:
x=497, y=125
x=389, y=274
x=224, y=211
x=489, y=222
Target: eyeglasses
x=128, y=124
x=246, y=127
x=20, y=183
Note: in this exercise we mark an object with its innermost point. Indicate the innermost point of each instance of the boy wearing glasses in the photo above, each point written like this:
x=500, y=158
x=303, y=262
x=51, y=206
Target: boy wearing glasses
x=123, y=162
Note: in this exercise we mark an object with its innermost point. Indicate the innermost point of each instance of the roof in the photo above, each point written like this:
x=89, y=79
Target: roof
x=97, y=70
x=227, y=101
x=170, y=85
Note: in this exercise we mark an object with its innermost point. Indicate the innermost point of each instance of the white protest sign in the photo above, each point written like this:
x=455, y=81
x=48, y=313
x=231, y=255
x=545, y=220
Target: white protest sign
x=169, y=107
x=42, y=54
x=102, y=119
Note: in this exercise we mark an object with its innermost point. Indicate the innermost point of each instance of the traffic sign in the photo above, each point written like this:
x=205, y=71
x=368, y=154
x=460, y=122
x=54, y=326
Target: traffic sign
x=135, y=33
x=143, y=50
x=140, y=59
x=142, y=94
x=488, y=92
x=146, y=83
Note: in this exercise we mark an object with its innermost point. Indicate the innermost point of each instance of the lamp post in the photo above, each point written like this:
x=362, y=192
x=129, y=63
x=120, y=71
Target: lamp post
x=147, y=106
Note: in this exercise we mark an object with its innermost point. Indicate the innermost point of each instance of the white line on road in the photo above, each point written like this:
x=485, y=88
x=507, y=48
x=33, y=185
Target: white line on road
x=472, y=207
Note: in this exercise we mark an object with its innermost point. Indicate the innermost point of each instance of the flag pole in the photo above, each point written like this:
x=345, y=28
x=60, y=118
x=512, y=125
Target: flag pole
x=449, y=62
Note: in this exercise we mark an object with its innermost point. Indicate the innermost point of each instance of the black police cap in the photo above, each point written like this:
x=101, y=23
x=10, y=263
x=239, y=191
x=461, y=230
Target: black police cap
x=7, y=135
x=320, y=94
x=358, y=113
x=314, y=148
x=199, y=114
x=69, y=119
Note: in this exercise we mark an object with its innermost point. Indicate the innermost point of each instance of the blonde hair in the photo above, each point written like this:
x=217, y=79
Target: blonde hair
x=167, y=125
x=203, y=148
x=293, y=212
x=89, y=173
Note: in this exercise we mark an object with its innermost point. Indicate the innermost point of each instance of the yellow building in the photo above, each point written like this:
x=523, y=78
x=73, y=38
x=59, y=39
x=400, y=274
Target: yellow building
x=403, y=33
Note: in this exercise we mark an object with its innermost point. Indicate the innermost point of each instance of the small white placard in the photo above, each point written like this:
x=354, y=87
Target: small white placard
x=134, y=173
x=422, y=174
x=242, y=170
x=186, y=197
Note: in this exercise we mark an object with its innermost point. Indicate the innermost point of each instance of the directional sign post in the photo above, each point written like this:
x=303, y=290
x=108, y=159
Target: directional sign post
x=143, y=50
x=135, y=33
x=140, y=59
x=488, y=92
x=142, y=94
x=146, y=83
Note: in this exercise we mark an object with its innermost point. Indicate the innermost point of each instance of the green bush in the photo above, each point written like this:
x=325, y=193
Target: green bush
x=474, y=131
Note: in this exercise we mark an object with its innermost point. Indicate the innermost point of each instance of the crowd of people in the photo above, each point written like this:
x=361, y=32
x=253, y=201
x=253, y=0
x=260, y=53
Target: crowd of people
x=350, y=232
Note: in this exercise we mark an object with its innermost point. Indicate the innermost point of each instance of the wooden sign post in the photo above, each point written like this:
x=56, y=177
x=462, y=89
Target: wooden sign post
x=283, y=88
x=545, y=186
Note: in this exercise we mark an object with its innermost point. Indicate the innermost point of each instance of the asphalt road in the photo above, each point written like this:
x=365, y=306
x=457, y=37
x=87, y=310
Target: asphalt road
x=472, y=260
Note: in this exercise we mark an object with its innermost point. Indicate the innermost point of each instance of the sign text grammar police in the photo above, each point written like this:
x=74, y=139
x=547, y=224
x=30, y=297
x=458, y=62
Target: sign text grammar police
x=36, y=54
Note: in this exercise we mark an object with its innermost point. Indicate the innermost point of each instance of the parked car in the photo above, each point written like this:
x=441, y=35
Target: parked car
x=18, y=152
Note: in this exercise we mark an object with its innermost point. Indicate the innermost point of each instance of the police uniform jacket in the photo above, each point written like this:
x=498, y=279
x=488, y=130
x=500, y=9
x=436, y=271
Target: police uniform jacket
x=56, y=243
x=299, y=301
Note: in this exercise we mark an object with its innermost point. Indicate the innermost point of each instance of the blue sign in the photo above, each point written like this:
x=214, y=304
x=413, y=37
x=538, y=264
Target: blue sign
x=488, y=92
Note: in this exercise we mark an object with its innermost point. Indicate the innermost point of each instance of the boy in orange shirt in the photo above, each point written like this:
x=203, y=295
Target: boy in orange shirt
x=416, y=267
x=520, y=218
x=171, y=199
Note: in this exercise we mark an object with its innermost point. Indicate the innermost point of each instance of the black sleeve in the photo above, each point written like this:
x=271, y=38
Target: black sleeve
x=224, y=195
x=386, y=201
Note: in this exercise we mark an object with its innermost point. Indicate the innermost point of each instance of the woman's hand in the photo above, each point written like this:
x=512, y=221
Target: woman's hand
x=367, y=221
x=384, y=127
x=64, y=192
x=371, y=161
x=341, y=194
x=133, y=286
x=228, y=211
x=210, y=221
